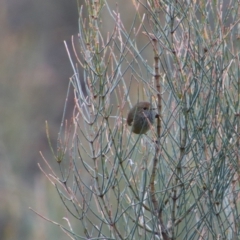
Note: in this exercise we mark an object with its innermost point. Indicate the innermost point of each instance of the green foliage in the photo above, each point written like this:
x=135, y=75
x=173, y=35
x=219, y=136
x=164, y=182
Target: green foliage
x=182, y=180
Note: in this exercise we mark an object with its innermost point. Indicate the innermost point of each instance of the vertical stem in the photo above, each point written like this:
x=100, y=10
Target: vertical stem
x=157, y=211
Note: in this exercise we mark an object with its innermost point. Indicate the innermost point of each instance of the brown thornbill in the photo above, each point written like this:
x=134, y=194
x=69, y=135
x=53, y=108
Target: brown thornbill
x=141, y=117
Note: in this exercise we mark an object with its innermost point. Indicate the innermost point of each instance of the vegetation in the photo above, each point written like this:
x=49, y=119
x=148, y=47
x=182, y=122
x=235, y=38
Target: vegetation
x=181, y=180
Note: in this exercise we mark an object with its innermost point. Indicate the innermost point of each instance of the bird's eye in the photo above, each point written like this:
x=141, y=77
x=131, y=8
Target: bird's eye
x=145, y=108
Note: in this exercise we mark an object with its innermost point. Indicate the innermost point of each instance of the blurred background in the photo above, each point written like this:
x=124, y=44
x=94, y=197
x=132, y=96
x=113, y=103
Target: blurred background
x=35, y=72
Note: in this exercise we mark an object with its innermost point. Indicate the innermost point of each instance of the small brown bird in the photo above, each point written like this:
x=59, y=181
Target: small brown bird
x=140, y=117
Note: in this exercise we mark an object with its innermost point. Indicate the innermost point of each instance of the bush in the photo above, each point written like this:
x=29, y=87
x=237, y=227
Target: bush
x=181, y=180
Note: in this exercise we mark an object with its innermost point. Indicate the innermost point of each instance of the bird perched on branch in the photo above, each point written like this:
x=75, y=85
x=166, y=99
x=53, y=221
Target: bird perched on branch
x=141, y=117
